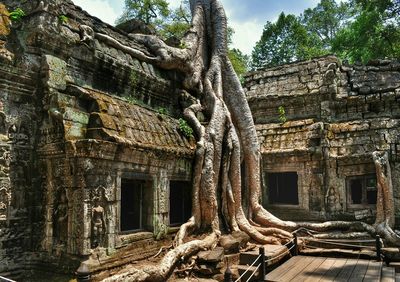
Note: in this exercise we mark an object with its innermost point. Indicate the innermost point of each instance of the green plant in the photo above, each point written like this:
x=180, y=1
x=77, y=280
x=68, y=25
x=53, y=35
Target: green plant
x=17, y=15
x=282, y=114
x=162, y=111
x=182, y=45
x=185, y=128
x=63, y=18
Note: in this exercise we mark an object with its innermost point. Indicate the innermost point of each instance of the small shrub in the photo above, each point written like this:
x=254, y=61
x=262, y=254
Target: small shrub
x=282, y=114
x=63, y=19
x=182, y=45
x=185, y=128
x=17, y=15
x=162, y=111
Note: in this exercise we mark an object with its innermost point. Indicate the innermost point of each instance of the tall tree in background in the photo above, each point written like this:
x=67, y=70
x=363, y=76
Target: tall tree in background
x=178, y=21
x=151, y=12
x=285, y=41
x=325, y=20
x=358, y=30
x=374, y=33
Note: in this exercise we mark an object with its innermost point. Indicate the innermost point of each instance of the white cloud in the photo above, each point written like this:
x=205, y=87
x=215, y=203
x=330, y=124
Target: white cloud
x=246, y=35
x=100, y=9
x=174, y=3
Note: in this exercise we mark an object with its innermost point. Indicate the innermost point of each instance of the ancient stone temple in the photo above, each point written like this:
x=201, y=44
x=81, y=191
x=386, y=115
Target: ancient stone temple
x=94, y=159
x=318, y=123
x=92, y=155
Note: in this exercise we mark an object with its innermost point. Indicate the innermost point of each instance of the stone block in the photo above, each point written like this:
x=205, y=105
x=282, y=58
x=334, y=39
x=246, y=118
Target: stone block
x=55, y=71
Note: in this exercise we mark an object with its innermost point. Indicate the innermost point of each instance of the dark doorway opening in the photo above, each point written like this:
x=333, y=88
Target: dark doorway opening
x=362, y=190
x=283, y=188
x=136, y=201
x=180, y=202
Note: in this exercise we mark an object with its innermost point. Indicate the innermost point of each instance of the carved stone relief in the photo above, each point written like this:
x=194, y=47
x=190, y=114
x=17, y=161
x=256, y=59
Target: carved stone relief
x=333, y=201
x=98, y=218
x=5, y=199
x=60, y=219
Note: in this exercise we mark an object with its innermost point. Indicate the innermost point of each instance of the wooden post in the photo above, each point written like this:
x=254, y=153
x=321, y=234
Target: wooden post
x=228, y=275
x=295, y=247
x=261, y=270
x=378, y=247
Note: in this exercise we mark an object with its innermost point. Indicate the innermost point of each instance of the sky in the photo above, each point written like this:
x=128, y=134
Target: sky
x=247, y=17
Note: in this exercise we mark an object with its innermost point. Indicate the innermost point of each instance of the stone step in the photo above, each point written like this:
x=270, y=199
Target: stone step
x=388, y=274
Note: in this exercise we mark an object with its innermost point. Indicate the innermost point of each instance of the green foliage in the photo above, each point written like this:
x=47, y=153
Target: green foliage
x=325, y=20
x=240, y=62
x=17, y=15
x=185, y=128
x=63, y=18
x=283, y=42
x=355, y=30
x=178, y=22
x=282, y=114
x=147, y=11
x=157, y=14
x=374, y=33
x=182, y=45
x=162, y=111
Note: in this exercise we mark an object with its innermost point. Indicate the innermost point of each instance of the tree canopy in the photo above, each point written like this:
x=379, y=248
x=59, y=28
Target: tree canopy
x=357, y=30
x=284, y=41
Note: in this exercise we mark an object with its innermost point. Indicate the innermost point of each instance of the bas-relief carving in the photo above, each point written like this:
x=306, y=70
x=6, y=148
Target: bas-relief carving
x=5, y=199
x=98, y=224
x=60, y=219
x=162, y=192
x=333, y=201
x=99, y=213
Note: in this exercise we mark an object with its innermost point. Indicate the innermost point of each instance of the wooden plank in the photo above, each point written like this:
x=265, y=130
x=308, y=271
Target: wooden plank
x=359, y=271
x=276, y=273
x=373, y=272
x=388, y=274
x=346, y=270
x=295, y=270
x=309, y=270
x=334, y=270
x=322, y=269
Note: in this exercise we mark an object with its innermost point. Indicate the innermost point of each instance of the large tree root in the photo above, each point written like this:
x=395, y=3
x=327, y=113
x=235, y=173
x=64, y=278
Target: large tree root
x=163, y=270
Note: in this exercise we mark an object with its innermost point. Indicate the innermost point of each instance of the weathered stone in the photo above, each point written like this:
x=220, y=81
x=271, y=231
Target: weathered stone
x=213, y=256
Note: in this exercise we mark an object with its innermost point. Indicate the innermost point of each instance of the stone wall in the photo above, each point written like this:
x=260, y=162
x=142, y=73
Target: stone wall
x=78, y=115
x=335, y=117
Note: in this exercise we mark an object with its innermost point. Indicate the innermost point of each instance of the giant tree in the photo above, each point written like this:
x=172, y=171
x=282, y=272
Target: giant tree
x=285, y=41
x=325, y=20
x=373, y=34
x=226, y=144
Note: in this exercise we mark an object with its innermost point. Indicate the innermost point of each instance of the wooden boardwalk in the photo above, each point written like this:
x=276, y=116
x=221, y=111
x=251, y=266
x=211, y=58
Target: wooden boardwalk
x=312, y=269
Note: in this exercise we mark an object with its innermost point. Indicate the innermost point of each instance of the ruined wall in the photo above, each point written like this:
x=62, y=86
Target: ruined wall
x=77, y=115
x=334, y=117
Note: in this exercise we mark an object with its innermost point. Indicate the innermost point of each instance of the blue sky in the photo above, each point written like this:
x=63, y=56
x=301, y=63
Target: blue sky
x=247, y=17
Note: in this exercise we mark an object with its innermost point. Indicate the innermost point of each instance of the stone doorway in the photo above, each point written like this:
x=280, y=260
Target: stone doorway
x=180, y=202
x=283, y=188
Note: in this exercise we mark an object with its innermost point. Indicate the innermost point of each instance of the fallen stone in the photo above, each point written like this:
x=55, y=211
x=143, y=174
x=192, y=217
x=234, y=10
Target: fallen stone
x=215, y=255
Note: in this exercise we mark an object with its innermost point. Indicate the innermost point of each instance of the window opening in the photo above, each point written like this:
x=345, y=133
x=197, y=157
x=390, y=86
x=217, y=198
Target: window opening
x=131, y=204
x=362, y=190
x=283, y=188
